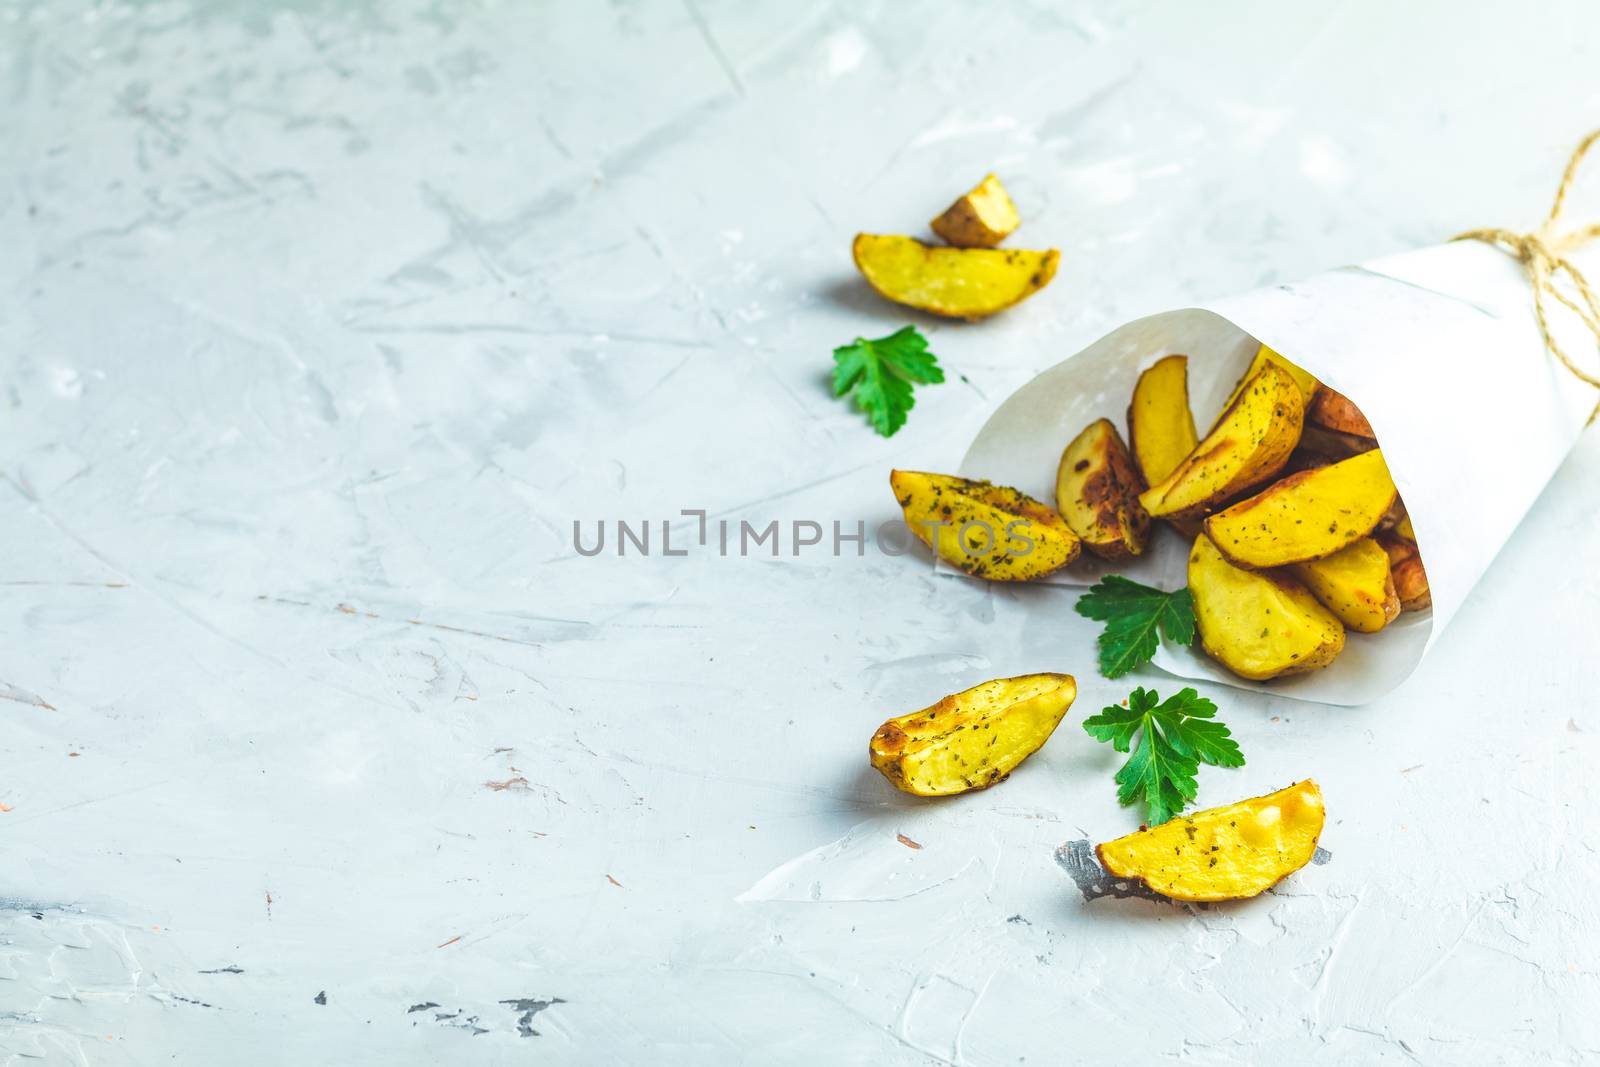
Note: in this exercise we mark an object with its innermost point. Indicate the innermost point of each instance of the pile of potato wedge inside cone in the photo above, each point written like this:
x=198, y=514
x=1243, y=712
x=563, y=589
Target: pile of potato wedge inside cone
x=1297, y=534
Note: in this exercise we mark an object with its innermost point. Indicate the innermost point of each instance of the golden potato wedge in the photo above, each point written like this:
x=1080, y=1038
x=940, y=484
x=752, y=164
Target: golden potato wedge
x=1304, y=379
x=1334, y=411
x=1160, y=425
x=1355, y=584
x=1307, y=515
x=989, y=531
x=1259, y=625
x=1333, y=443
x=1229, y=853
x=973, y=739
x=1251, y=443
x=981, y=219
x=1403, y=529
x=1410, y=580
x=961, y=283
x=1097, y=492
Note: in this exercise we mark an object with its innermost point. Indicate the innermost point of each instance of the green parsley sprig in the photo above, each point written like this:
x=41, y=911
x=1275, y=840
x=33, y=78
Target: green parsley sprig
x=1133, y=614
x=1175, y=736
x=881, y=373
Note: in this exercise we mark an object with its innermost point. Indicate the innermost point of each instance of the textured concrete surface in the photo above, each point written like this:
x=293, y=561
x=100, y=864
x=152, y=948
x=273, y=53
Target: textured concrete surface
x=322, y=324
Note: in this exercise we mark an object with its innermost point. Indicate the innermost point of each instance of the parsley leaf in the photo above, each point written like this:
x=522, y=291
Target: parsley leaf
x=880, y=374
x=1132, y=614
x=1175, y=737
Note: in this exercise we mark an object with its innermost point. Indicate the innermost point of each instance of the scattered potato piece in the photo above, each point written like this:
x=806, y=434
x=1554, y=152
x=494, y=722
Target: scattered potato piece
x=973, y=739
x=1334, y=411
x=989, y=531
x=1304, y=379
x=1355, y=584
x=1160, y=425
x=1259, y=625
x=1250, y=444
x=1410, y=580
x=981, y=219
x=1097, y=492
x=1227, y=853
x=961, y=283
x=1307, y=515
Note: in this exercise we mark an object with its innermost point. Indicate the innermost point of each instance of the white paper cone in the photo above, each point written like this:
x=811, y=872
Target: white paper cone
x=1440, y=350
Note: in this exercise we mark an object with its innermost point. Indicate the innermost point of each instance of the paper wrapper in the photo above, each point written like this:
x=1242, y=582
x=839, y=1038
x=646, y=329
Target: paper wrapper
x=1440, y=350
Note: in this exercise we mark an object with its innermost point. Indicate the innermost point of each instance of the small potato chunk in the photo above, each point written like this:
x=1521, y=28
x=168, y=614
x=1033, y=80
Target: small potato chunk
x=1160, y=425
x=973, y=739
x=1403, y=528
x=1334, y=411
x=1307, y=515
x=961, y=283
x=989, y=531
x=1097, y=492
x=1264, y=355
x=1251, y=443
x=1355, y=584
x=1410, y=580
x=1229, y=853
x=981, y=219
x=1258, y=625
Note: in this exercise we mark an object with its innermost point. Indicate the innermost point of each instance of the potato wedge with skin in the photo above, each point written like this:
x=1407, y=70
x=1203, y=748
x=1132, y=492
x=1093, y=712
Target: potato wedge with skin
x=1333, y=443
x=1304, y=379
x=1307, y=515
x=1233, y=852
x=1410, y=579
x=989, y=531
x=1097, y=493
x=1403, y=529
x=972, y=739
x=960, y=283
x=1251, y=443
x=1160, y=425
x=1258, y=625
x=1334, y=411
x=981, y=219
x=1355, y=584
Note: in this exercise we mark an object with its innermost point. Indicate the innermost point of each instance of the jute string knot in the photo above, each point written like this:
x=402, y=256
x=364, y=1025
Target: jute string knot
x=1543, y=254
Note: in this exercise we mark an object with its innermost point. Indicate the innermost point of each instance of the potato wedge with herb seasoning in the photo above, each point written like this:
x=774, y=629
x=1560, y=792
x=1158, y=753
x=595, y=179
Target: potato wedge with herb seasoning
x=1097, y=492
x=1307, y=515
x=1229, y=853
x=1259, y=625
x=982, y=218
x=1334, y=411
x=1264, y=356
x=1410, y=579
x=989, y=531
x=1250, y=444
x=974, y=738
x=960, y=283
x=1355, y=584
x=1160, y=425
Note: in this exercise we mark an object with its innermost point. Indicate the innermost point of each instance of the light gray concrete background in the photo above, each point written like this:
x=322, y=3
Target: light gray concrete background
x=321, y=324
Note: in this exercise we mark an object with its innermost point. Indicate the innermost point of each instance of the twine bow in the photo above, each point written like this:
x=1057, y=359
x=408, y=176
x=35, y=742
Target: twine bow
x=1543, y=253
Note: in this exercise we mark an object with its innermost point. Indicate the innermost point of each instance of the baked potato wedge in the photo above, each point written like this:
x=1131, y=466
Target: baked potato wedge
x=1403, y=529
x=1307, y=515
x=1410, y=580
x=1250, y=444
x=989, y=531
x=1160, y=425
x=982, y=218
x=1229, y=853
x=1259, y=625
x=1333, y=443
x=974, y=738
x=1097, y=493
x=960, y=283
x=1304, y=379
x=1355, y=584
x=1334, y=411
